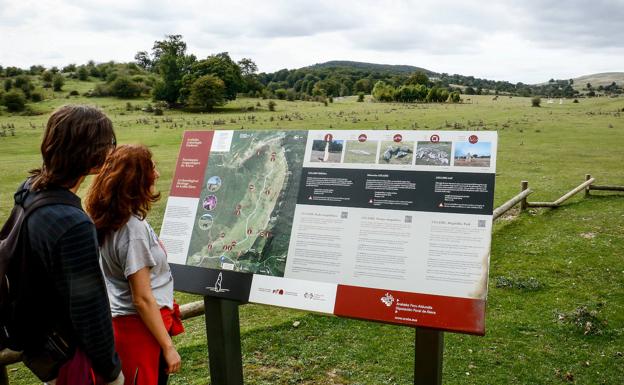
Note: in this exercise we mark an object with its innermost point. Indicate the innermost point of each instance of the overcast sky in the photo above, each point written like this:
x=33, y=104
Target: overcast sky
x=516, y=40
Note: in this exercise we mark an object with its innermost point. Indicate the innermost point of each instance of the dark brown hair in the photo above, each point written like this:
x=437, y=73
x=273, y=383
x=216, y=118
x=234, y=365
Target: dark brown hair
x=76, y=140
x=121, y=189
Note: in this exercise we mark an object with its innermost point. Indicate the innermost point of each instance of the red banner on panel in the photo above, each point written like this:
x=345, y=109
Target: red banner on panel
x=399, y=307
x=192, y=161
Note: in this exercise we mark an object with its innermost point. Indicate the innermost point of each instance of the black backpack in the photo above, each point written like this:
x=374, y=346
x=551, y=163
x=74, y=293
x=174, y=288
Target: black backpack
x=14, y=261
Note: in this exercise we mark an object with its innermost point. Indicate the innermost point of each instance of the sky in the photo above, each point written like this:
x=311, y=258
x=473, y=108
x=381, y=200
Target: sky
x=529, y=41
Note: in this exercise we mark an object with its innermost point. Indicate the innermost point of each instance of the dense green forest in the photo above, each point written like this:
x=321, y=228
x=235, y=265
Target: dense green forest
x=174, y=78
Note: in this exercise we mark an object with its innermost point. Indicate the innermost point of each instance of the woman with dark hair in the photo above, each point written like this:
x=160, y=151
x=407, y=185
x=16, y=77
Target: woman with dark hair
x=134, y=262
x=68, y=317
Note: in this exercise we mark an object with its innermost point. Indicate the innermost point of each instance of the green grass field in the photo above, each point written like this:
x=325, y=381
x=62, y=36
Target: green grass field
x=555, y=312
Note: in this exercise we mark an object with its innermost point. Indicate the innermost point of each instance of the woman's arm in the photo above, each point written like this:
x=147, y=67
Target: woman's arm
x=148, y=310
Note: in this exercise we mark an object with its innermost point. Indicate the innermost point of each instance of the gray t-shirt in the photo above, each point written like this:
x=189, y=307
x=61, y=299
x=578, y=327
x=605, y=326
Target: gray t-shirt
x=127, y=251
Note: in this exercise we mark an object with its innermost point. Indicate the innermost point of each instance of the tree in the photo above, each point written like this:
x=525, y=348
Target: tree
x=249, y=70
x=363, y=85
x=207, y=92
x=536, y=101
x=171, y=62
x=418, y=77
x=247, y=67
x=23, y=83
x=83, y=73
x=143, y=60
x=46, y=78
x=14, y=100
x=13, y=71
x=222, y=66
x=36, y=69
x=69, y=68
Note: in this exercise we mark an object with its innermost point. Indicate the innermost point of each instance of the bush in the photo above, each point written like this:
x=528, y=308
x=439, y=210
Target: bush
x=124, y=87
x=58, y=82
x=360, y=97
x=36, y=96
x=83, y=73
x=73, y=93
x=100, y=90
x=536, y=101
x=158, y=111
x=46, y=77
x=454, y=97
x=280, y=93
x=575, y=101
x=271, y=105
x=14, y=101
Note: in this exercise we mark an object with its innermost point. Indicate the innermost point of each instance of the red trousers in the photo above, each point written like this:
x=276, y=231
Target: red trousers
x=138, y=350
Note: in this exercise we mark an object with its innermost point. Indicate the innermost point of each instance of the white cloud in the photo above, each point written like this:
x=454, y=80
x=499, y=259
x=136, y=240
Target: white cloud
x=515, y=40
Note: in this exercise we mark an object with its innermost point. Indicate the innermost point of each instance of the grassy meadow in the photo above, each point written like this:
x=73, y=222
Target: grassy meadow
x=555, y=312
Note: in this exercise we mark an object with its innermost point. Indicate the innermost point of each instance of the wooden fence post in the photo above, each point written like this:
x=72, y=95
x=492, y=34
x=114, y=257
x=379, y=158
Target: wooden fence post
x=523, y=204
x=4, y=376
x=428, y=357
x=224, y=344
x=587, y=177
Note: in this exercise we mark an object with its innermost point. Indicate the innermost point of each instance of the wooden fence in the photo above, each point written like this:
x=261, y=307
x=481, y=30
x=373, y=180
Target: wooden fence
x=194, y=309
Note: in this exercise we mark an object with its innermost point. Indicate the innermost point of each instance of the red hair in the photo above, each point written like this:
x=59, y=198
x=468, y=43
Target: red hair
x=123, y=187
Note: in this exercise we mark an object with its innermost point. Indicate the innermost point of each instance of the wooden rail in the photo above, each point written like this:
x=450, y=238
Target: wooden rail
x=565, y=197
x=511, y=203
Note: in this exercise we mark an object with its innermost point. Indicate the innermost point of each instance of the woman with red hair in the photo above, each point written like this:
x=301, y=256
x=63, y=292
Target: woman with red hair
x=134, y=263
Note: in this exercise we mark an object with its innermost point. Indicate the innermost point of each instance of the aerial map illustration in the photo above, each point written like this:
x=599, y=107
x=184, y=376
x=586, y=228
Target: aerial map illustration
x=247, y=203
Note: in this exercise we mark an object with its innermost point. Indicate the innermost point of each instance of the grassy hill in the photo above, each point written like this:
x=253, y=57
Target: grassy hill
x=602, y=79
x=389, y=68
x=555, y=312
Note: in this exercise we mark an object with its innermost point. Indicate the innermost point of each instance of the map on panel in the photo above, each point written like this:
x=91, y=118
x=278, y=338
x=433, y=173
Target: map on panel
x=248, y=197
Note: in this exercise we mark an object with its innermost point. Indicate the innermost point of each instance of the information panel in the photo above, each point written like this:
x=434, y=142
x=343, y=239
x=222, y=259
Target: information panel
x=391, y=226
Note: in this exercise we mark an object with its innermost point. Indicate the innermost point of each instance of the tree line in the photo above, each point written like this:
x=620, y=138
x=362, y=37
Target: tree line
x=169, y=74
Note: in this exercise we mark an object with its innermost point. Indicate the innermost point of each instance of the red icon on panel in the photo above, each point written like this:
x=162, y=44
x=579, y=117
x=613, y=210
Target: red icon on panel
x=434, y=138
x=473, y=139
x=397, y=138
x=362, y=138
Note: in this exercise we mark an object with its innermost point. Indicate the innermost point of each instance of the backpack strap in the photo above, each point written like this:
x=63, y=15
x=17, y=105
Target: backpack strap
x=51, y=197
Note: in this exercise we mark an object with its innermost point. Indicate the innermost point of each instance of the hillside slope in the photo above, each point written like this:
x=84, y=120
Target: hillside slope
x=601, y=79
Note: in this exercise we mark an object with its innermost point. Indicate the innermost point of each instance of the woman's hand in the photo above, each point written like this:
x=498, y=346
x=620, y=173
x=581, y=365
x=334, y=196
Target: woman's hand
x=173, y=360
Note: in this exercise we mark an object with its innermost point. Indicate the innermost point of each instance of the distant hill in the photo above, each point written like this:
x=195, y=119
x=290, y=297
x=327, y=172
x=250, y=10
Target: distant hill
x=346, y=77
x=596, y=80
x=389, y=68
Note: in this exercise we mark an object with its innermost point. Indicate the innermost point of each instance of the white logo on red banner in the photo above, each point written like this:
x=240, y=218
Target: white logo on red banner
x=387, y=299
